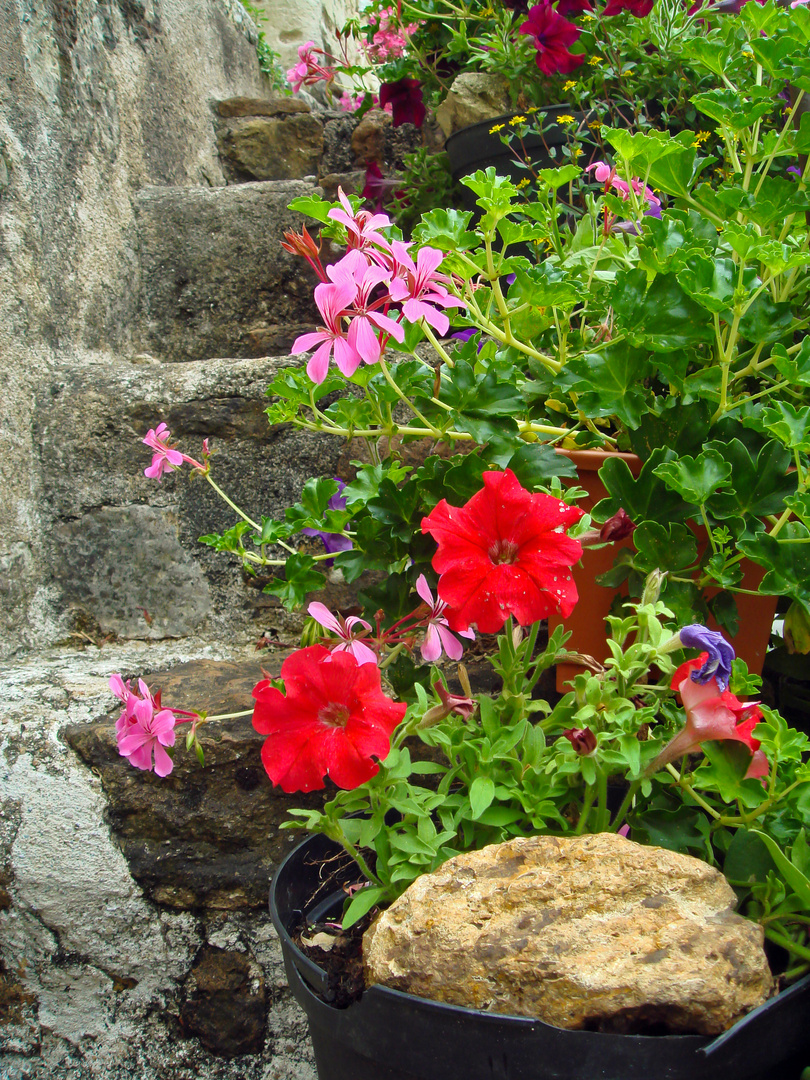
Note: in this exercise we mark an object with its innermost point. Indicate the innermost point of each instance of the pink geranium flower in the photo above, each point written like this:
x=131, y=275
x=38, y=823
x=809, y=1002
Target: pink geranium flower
x=422, y=287
x=438, y=635
x=165, y=458
x=345, y=629
x=361, y=225
x=366, y=320
x=332, y=299
x=143, y=729
x=308, y=70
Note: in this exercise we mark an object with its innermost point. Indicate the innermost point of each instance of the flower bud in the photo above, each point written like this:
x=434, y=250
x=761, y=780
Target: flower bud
x=583, y=740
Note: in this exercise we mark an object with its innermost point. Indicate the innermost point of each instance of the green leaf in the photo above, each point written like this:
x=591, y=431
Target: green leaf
x=313, y=206
x=792, y=874
x=535, y=463
x=661, y=317
x=790, y=425
x=786, y=559
x=361, y=903
x=645, y=498
x=446, y=230
x=611, y=383
x=671, y=546
x=230, y=540
x=759, y=486
x=482, y=792
x=747, y=859
x=696, y=479
x=300, y=579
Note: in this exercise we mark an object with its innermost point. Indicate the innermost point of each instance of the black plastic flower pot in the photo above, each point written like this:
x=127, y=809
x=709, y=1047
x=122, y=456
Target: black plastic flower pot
x=387, y=1035
x=477, y=147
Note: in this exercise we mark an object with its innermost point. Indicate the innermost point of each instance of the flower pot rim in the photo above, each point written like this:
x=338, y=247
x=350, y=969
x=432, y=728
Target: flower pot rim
x=481, y=128
x=594, y=458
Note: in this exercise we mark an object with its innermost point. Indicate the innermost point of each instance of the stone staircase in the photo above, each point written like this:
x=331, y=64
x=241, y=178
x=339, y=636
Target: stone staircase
x=134, y=943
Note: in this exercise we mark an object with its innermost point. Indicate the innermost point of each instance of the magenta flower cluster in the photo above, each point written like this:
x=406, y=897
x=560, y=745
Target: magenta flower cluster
x=357, y=294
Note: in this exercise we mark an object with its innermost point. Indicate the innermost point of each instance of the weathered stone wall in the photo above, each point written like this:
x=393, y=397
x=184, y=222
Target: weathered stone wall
x=175, y=973
x=119, y=243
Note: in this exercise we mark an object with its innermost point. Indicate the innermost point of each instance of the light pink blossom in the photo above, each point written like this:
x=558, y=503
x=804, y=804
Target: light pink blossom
x=308, y=70
x=605, y=174
x=361, y=225
x=438, y=634
x=345, y=630
x=422, y=287
x=165, y=458
x=366, y=319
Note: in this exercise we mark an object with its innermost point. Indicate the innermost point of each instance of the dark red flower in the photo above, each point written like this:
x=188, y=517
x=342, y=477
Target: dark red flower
x=572, y=7
x=552, y=37
x=405, y=99
x=583, y=740
x=617, y=527
x=332, y=721
x=504, y=553
x=639, y=8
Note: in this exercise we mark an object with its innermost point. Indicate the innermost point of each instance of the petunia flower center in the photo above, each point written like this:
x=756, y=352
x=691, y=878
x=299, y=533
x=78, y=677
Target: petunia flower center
x=504, y=551
x=334, y=714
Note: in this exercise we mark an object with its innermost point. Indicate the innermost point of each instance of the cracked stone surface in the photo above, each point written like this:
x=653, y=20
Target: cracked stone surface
x=94, y=976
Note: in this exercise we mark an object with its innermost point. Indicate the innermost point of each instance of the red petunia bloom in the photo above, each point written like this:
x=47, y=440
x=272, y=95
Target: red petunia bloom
x=712, y=714
x=552, y=37
x=504, y=553
x=639, y=8
x=333, y=721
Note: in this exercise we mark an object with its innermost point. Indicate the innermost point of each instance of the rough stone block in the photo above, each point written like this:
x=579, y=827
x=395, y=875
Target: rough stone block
x=591, y=932
x=213, y=267
x=276, y=105
x=126, y=567
x=270, y=148
x=203, y=837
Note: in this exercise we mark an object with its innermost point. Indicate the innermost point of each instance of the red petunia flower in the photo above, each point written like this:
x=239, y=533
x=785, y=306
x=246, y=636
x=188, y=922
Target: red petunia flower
x=712, y=714
x=504, y=553
x=553, y=35
x=333, y=721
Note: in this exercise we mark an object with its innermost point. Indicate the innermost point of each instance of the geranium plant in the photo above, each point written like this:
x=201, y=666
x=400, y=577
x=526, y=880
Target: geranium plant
x=666, y=315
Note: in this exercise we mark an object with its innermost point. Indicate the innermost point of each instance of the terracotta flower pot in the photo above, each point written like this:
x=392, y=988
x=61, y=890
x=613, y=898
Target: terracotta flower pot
x=587, y=621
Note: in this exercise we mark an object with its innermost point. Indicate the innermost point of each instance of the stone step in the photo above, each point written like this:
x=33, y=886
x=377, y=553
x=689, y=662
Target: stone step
x=215, y=280
x=125, y=551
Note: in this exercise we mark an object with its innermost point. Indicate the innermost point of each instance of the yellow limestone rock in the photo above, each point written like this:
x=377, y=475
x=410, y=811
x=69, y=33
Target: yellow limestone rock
x=593, y=932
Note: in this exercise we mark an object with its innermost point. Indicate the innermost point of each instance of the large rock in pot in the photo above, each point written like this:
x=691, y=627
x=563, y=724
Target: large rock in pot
x=593, y=932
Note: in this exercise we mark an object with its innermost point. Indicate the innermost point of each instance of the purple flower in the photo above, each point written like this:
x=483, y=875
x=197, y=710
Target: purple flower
x=333, y=542
x=720, y=654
